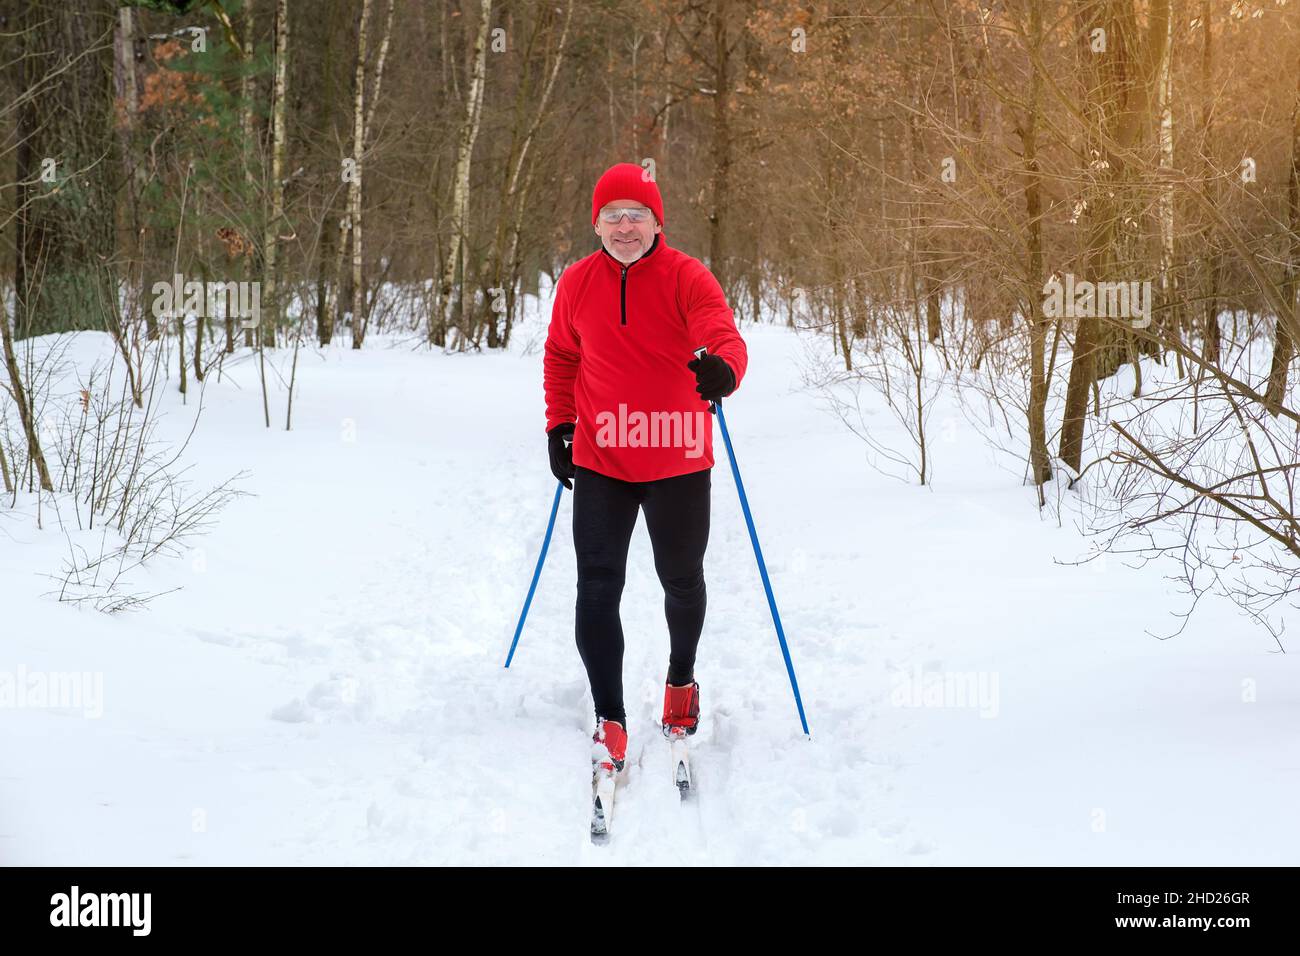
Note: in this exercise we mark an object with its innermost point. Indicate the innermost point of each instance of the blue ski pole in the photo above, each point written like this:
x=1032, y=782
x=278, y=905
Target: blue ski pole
x=546, y=543
x=758, y=553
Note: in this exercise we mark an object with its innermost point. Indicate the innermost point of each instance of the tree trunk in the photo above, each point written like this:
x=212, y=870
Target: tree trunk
x=1122, y=110
x=438, y=330
x=720, y=186
x=1283, y=345
x=509, y=221
x=271, y=292
x=65, y=227
x=271, y=297
x=247, y=128
x=1210, y=330
x=1172, y=324
x=1039, y=460
x=354, y=184
x=25, y=416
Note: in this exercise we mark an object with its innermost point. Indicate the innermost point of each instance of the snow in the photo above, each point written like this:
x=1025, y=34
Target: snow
x=326, y=686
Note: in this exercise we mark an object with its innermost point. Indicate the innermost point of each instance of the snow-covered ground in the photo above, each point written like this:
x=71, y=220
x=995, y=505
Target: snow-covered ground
x=327, y=685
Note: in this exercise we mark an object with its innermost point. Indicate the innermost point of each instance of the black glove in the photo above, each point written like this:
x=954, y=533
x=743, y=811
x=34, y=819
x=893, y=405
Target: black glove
x=713, y=377
x=562, y=452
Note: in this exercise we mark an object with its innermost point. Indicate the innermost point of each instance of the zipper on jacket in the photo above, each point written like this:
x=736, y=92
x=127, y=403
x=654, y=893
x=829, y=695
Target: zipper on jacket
x=622, y=289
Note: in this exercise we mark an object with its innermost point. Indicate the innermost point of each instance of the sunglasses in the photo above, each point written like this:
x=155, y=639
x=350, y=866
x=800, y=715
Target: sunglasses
x=634, y=214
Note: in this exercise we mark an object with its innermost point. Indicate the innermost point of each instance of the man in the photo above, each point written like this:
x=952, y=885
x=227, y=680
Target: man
x=628, y=426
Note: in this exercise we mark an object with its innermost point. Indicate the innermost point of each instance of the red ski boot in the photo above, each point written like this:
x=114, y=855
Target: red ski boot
x=608, y=746
x=681, y=710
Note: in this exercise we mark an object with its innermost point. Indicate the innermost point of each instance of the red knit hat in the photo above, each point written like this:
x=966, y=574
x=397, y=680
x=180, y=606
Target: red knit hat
x=627, y=181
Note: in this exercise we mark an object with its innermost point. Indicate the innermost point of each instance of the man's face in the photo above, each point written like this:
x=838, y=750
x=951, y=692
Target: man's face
x=626, y=240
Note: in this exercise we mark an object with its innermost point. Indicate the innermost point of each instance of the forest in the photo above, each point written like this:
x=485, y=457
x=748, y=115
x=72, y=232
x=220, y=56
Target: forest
x=932, y=188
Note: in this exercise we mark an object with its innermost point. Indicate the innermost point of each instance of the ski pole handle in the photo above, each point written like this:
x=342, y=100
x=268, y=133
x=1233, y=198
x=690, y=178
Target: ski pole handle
x=699, y=354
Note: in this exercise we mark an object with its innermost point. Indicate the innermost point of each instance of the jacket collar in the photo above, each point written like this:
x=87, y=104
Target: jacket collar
x=645, y=255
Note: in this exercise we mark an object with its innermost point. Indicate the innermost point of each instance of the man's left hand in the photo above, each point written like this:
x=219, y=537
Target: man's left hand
x=714, y=379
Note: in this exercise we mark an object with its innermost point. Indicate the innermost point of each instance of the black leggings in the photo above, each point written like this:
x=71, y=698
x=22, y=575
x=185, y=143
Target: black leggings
x=604, y=514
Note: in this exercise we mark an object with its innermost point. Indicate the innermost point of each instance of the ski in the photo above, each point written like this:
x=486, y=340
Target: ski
x=602, y=805
x=608, y=753
x=682, y=767
x=681, y=718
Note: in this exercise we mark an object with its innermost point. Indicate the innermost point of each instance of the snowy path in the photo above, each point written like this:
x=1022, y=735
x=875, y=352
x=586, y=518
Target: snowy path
x=327, y=687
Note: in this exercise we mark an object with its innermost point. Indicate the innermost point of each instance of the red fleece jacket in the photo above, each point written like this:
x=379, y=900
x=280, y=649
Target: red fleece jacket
x=615, y=363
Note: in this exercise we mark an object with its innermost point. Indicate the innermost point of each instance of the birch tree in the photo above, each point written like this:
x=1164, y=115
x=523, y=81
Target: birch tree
x=459, y=225
x=271, y=294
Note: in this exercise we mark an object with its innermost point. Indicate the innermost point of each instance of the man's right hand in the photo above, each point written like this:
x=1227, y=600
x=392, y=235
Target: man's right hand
x=560, y=439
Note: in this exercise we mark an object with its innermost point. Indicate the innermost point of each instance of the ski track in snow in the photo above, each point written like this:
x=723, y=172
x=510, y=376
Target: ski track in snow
x=327, y=688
